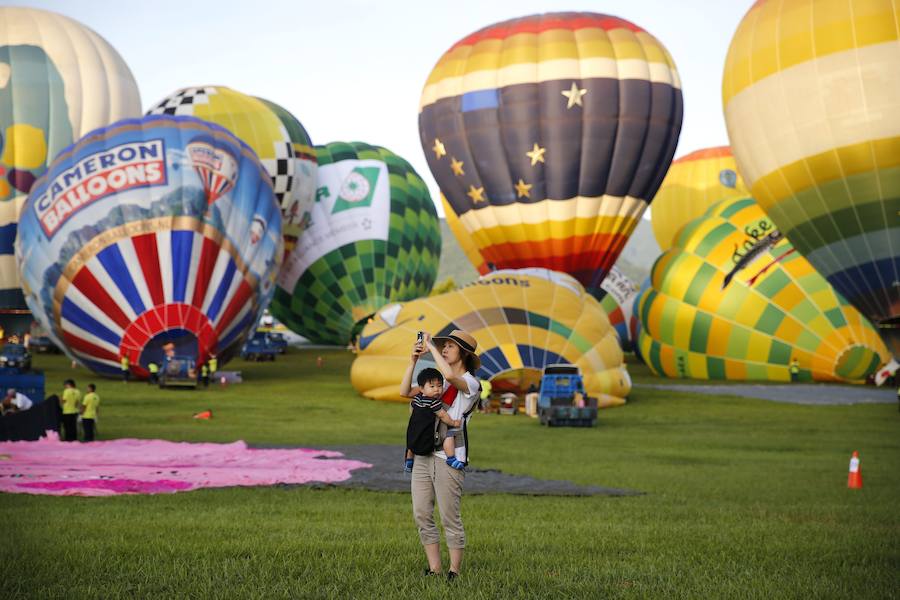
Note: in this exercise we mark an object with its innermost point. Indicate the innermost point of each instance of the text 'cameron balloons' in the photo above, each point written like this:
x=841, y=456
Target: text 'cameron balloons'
x=150, y=232
x=549, y=135
x=373, y=238
x=58, y=80
x=277, y=137
x=523, y=320
x=812, y=105
x=772, y=312
x=694, y=183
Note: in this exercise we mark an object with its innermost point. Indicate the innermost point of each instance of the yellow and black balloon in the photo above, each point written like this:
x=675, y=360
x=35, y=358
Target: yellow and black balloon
x=523, y=320
x=549, y=135
x=776, y=310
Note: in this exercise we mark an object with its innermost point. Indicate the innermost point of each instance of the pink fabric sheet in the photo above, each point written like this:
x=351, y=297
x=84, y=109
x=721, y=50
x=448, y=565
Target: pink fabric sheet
x=128, y=466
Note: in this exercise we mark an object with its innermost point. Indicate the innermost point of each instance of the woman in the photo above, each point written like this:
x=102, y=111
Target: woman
x=432, y=478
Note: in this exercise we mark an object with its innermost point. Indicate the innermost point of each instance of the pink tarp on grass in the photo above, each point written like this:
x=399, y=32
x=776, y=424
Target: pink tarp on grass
x=128, y=466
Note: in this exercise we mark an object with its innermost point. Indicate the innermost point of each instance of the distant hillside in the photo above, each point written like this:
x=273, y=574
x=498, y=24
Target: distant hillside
x=635, y=261
x=453, y=261
x=640, y=253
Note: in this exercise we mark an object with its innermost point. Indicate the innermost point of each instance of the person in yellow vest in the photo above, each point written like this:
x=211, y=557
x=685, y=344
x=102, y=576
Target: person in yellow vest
x=89, y=409
x=126, y=368
x=795, y=370
x=486, y=388
x=204, y=375
x=70, y=401
x=154, y=373
x=213, y=365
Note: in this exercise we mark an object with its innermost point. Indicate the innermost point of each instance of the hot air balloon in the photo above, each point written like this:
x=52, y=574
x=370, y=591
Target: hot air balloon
x=549, y=135
x=812, y=104
x=58, y=80
x=774, y=311
x=373, y=238
x=617, y=301
x=523, y=320
x=276, y=136
x=127, y=245
x=693, y=183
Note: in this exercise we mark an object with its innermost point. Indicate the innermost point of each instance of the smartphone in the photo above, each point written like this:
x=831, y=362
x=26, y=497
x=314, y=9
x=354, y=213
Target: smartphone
x=420, y=337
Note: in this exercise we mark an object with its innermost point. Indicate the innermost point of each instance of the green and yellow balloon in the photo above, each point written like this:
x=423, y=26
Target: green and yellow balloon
x=774, y=311
x=373, y=238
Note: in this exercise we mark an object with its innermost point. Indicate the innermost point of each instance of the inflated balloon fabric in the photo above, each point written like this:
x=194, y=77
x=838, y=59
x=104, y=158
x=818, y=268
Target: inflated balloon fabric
x=521, y=319
x=774, y=311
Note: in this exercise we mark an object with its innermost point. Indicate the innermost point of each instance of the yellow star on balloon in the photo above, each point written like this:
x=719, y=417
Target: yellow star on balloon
x=456, y=166
x=476, y=194
x=536, y=154
x=523, y=189
x=574, y=95
x=438, y=148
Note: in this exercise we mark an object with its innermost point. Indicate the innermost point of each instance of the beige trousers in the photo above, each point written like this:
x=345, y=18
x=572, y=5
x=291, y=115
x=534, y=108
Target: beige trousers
x=433, y=478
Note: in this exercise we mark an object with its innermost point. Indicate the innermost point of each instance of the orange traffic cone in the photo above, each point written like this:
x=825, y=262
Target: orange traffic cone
x=854, y=478
x=206, y=414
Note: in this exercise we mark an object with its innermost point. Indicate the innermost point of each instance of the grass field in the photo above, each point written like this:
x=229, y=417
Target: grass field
x=743, y=499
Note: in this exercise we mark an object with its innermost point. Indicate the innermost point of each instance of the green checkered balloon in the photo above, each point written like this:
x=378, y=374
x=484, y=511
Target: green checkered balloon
x=373, y=237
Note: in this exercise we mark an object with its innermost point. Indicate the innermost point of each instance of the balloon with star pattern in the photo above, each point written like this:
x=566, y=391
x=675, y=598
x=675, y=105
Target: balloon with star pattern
x=549, y=135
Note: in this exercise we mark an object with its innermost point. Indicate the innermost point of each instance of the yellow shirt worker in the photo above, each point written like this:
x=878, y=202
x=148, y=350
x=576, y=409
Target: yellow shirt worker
x=71, y=399
x=89, y=412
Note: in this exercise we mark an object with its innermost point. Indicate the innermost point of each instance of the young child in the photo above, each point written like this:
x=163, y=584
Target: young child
x=425, y=406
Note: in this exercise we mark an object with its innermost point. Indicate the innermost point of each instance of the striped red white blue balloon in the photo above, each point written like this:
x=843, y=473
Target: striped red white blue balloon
x=151, y=234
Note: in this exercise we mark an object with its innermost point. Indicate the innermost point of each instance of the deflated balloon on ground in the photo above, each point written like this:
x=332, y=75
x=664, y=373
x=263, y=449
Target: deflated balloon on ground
x=522, y=319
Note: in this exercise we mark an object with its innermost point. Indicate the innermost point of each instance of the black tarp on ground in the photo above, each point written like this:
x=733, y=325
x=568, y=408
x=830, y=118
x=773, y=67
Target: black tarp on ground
x=32, y=423
x=386, y=475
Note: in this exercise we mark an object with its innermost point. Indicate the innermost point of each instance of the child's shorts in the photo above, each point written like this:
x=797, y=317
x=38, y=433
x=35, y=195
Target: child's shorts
x=453, y=432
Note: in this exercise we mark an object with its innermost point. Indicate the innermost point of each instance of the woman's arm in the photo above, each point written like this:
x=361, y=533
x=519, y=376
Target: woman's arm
x=406, y=389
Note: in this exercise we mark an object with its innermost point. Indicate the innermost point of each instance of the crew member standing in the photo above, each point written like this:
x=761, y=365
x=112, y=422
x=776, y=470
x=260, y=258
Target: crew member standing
x=126, y=368
x=89, y=410
x=71, y=399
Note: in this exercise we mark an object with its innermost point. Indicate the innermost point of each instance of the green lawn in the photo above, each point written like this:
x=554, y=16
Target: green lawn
x=744, y=498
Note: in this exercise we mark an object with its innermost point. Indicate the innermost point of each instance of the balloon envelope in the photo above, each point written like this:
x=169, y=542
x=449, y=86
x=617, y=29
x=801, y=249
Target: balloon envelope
x=373, y=238
x=777, y=309
x=58, y=80
x=149, y=232
x=549, y=135
x=812, y=105
x=522, y=319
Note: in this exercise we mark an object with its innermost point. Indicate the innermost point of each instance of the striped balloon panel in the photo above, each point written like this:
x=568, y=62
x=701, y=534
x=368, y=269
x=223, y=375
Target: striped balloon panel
x=351, y=282
x=549, y=135
x=141, y=286
x=776, y=310
x=521, y=319
x=812, y=104
x=60, y=80
x=692, y=184
x=118, y=259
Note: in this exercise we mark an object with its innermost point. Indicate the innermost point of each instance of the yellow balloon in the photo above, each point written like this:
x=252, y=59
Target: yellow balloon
x=522, y=319
x=774, y=311
x=692, y=184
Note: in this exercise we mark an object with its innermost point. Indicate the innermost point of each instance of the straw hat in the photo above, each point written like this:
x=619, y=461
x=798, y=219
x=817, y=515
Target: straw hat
x=465, y=341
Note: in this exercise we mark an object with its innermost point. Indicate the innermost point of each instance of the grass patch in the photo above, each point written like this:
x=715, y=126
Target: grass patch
x=745, y=498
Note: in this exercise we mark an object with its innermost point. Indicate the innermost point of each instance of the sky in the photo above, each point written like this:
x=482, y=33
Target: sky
x=354, y=69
